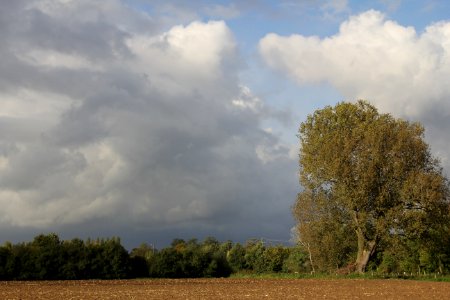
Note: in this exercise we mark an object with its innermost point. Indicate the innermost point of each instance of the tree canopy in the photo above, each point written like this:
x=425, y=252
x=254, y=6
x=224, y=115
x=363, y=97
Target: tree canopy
x=369, y=182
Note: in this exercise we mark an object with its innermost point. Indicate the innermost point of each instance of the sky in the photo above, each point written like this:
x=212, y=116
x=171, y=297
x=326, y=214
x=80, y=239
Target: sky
x=153, y=120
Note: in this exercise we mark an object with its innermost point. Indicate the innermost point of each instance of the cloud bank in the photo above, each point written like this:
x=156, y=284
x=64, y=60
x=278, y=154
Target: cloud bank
x=111, y=124
x=400, y=70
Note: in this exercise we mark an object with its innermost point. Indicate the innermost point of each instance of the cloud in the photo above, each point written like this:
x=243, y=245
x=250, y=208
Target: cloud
x=391, y=6
x=110, y=125
x=223, y=11
x=398, y=69
x=334, y=7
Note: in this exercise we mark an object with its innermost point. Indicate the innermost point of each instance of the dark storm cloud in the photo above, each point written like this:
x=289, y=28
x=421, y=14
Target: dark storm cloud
x=108, y=128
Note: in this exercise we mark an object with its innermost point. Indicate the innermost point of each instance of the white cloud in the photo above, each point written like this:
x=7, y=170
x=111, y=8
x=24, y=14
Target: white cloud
x=168, y=60
x=54, y=59
x=34, y=105
x=392, y=5
x=370, y=58
x=333, y=7
x=246, y=100
x=223, y=11
x=399, y=70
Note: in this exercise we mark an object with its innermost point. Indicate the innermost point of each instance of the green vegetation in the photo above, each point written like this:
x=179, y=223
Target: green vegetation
x=47, y=258
x=374, y=198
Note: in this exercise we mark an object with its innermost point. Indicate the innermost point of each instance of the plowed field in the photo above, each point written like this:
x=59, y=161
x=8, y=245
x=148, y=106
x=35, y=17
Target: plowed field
x=226, y=289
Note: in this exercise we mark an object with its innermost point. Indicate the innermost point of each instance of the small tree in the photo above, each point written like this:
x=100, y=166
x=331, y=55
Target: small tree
x=236, y=257
x=48, y=257
x=368, y=172
x=274, y=257
x=6, y=262
x=297, y=261
x=254, y=259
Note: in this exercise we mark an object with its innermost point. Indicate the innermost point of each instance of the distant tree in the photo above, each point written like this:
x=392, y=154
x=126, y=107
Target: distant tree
x=210, y=244
x=236, y=257
x=217, y=264
x=167, y=264
x=6, y=262
x=254, y=250
x=274, y=258
x=75, y=259
x=179, y=244
x=191, y=259
x=297, y=261
x=140, y=259
x=47, y=256
x=106, y=259
x=368, y=173
x=117, y=264
x=24, y=266
x=226, y=246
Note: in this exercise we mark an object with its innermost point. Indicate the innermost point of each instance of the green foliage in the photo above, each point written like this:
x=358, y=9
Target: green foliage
x=256, y=257
x=190, y=259
x=296, y=261
x=166, y=264
x=6, y=262
x=254, y=250
x=47, y=258
x=117, y=265
x=369, y=180
x=139, y=260
x=75, y=260
x=236, y=257
x=274, y=257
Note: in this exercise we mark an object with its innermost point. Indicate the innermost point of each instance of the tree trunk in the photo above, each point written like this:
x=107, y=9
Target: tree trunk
x=310, y=259
x=365, y=251
x=307, y=245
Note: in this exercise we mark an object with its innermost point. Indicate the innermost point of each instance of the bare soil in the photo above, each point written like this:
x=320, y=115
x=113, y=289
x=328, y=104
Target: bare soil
x=226, y=289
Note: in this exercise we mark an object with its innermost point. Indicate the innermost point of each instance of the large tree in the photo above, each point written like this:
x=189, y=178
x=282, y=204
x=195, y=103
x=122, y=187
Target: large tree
x=370, y=175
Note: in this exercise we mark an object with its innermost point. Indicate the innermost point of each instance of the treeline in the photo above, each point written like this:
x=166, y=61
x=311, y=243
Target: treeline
x=211, y=258
x=48, y=258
